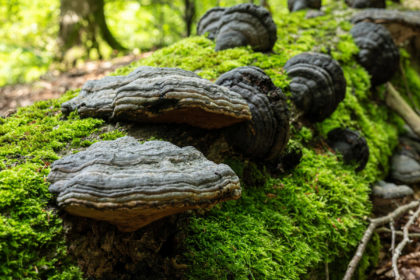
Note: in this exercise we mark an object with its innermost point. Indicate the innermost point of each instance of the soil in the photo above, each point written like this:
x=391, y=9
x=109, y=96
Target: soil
x=53, y=84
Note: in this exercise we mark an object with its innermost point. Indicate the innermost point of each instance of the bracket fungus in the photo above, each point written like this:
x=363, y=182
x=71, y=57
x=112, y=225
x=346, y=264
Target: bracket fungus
x=378, y=54
x=403, y=25
x=131, y=185
x=297, y=5
x=364, y=4
x=209, y=22
x=266, y=134
x=318, y=84
x=350, y=145
x=160, y=95
x=246, y=24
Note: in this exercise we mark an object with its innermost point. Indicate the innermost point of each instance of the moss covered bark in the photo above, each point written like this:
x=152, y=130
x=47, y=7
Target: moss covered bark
x=283, y=227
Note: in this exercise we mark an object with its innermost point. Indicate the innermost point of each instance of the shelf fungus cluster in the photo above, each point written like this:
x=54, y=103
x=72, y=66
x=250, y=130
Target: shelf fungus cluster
x=266, y=134
x=240, y=25
x=378, y=53
x=297, y=5
x=350, y=145
x=131, y=185
x=160, y=95
x=364, y=4
x=318, y=84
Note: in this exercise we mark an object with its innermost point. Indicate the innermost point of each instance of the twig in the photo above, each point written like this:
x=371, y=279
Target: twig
x=391, y=226
x=397, y=232
x=374, y=223
x=394, y=101
x=402, y=244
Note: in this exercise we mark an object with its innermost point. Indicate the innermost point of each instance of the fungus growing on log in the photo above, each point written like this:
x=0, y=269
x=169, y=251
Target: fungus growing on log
x=378, y=54
x=403, y=25
x=131, y=185
x=209, y=22
x=318, y=84
x=266, y=134
x=405, y=166
x=161, y=95
x=297, y=5
x=364, y=4
x=350, y=145
x=246, y=24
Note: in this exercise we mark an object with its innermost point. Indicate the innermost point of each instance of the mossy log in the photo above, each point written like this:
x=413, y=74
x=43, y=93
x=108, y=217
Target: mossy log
x=285, y=225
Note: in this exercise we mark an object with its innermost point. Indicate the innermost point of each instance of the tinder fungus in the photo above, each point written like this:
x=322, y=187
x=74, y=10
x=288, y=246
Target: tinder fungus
x=318, y=84
x=403, y=25
x=378, y=54
x=209, y=22
x=297, y=5
x=160, y=95
x=350, y=145
x=266, y=134
x=364, y=4
x=131, y=185
x=246, y=24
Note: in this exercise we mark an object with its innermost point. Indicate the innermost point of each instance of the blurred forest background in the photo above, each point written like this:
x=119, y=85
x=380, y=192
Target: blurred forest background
x=41, y=35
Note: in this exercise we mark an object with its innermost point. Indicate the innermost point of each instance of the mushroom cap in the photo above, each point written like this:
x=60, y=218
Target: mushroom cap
x=162, y=95
x=388, y=190
x=363, y=4
x=246, y=24
x=209, y=22
x=401, y=24
x=131, y=184
x=318, y=84
x=378, y=54
x=405, y=166
x=297, y=5
x=351, y=145
x=267, y=133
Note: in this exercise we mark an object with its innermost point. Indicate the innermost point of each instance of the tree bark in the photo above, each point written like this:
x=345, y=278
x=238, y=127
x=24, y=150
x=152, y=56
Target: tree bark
x=189, y=14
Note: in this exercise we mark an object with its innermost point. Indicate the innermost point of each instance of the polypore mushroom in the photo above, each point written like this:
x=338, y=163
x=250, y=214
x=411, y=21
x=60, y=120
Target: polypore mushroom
x=363, y=4
x=350, y=145
x=131, y=185
x=246, y=24
x=297, y=5
x=161, y=95
x=378, y=54
x=405, y=166
x=266, y=134
x=209, y=22
x=402, y=25
x=388, y=196
x=318, y=84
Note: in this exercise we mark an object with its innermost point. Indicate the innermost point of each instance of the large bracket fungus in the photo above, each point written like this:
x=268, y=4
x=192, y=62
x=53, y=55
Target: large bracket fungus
x=297, y=5
x=363, y=4
x=318, y=84
x=131, y=184
x=402, y=25
x=268, y=132
x=350, y=145
x=209, y=22
x=161, y=95
x=246, y=24
x=378, y=54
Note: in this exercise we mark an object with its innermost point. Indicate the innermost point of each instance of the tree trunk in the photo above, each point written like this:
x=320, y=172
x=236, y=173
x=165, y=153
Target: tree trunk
x=81, y=22
x=189, y=14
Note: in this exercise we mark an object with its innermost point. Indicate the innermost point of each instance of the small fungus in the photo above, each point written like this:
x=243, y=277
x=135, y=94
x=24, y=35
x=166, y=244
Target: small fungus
x=364, y=4
x=161, y=95
x=266, y=134
x=209, y=22
x=387, y=190
x=378, y=54
x=405, y=166
x=318, y=84
x=350, y=145
x=297, y=5
x=131, y=185
x=246, y=24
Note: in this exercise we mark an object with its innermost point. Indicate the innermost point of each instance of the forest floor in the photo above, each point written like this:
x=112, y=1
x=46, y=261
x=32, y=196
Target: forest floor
x=54, y=83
